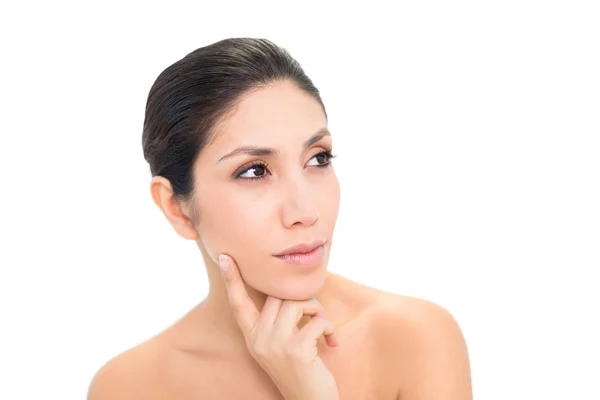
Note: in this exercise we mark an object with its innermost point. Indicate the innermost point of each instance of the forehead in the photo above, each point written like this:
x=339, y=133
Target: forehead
x=280, y=113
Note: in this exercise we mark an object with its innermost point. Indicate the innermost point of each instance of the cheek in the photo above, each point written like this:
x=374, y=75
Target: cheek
x=233, y=224
x=329, y=201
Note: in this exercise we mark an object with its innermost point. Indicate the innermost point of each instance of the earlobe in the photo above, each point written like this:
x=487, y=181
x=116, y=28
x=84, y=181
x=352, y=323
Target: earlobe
x=184, y=228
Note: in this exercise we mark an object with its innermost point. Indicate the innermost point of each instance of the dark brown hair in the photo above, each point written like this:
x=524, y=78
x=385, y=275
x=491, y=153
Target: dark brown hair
x=189, y=98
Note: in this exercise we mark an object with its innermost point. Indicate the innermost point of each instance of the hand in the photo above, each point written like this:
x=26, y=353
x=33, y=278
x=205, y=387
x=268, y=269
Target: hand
x=287, y=354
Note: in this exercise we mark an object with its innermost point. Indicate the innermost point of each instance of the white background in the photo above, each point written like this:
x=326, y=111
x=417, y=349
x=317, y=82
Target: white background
x=469, y=163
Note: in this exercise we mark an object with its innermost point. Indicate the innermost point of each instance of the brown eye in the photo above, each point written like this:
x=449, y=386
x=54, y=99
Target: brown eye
x=255, y=171
x=323, y=159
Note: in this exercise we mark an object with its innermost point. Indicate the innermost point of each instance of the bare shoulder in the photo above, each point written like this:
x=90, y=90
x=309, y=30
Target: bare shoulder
x=416, y=344
x=424, y=347
x=416, y=315
x=133, y=374
x=392, y=308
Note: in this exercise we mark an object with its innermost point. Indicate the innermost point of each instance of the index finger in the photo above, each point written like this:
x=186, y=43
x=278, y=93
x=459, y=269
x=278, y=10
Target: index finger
x=243, y=307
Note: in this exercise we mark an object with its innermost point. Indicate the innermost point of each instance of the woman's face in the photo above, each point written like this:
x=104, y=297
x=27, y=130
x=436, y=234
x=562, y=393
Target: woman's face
x=253, y=206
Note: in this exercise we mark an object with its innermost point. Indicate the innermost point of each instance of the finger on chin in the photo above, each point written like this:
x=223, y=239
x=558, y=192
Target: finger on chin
x=228, y=266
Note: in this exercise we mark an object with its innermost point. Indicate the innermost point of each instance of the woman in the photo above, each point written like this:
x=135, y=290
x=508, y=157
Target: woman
x=236, y=137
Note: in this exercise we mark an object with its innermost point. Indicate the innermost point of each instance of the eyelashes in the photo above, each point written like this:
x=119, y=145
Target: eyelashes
x=261, y=168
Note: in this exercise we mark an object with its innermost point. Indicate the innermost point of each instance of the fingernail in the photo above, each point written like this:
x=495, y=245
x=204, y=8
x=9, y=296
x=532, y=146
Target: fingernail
x=223, y=262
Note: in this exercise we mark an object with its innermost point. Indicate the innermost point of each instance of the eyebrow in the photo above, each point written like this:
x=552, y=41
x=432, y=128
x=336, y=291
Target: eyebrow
x=268, y=151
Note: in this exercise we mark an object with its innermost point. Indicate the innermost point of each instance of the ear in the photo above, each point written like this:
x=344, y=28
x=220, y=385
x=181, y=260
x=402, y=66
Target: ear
x=172, y=208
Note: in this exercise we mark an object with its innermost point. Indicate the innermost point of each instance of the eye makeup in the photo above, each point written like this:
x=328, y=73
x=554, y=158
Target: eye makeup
x=263, y=166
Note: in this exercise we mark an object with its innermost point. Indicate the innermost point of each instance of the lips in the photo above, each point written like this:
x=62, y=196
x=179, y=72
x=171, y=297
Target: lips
x=302, y=248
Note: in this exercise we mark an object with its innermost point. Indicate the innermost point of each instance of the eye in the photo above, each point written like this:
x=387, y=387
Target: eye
x=323, y=158
x=255, y=171
x=260, y=170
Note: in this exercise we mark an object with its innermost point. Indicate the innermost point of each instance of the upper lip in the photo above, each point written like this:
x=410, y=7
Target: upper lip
x=302, y=248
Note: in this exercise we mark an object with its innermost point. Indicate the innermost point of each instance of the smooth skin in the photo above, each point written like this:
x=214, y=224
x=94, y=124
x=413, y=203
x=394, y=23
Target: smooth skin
x=386, y=346
x=289, y=355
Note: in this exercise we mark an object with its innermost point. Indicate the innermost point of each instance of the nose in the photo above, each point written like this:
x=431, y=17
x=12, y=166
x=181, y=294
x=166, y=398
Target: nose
x=299, y=206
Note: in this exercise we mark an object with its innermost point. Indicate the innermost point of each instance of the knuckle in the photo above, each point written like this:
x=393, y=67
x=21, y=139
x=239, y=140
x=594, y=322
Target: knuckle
x=288, y=304
x=316, y=303
x=317, y=306
x=228, y=277
x=323, y=324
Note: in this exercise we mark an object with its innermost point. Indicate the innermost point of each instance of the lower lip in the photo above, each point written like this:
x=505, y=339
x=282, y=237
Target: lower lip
x=304, y=259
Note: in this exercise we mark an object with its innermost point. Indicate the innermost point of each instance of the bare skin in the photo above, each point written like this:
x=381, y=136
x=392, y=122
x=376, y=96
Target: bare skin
x=390, y=346
x=387, y=350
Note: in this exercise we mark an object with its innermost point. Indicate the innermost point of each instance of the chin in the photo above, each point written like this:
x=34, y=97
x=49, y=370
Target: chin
x=297, y=287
